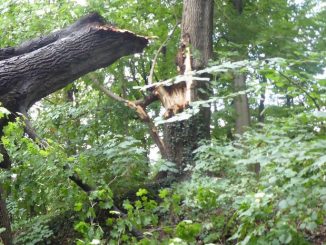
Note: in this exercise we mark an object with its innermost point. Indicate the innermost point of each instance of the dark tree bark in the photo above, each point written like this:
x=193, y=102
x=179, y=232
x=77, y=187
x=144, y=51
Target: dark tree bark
x=6, y=235
x=261, y=108
x=182, y=138
x=238, y=5
x=44, y=65
x=5, y=164
x=39, y=42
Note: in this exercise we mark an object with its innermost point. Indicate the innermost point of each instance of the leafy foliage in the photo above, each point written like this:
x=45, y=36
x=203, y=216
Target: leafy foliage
x=276, y=207
x=226, y=200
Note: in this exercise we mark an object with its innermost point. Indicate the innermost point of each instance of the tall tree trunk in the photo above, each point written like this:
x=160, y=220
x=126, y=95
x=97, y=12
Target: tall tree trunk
x=6, y=236
x=261, y=108
x=241, y=105
x=182, y=138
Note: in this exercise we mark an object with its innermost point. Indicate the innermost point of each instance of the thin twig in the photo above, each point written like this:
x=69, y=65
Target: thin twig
x=30, y=131
x=106, y=91
x=117, y=176
x=133, y=73
x=150, y=77
x=302, y=89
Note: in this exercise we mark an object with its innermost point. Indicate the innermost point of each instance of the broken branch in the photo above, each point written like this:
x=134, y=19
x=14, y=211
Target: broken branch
x=139, y=109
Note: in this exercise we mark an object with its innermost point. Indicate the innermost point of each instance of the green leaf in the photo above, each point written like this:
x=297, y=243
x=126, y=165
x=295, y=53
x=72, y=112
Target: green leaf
x=82, y=227
x=285, y=238
x=283, y=204
x=289, y=173
x=78, y=206
x=163, y=193
x=141, y=192
x=320, y=162
x=311, y=226
x=187, y=230
x=4, y=112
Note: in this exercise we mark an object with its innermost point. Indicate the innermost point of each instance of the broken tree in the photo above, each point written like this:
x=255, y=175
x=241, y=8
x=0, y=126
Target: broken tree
x=181, y=138
x=44, y=65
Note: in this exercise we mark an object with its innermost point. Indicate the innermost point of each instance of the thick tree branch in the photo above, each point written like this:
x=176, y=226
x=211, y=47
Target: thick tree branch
x=92, y=44
x=44, y=65
x=39, y=42
x=147, y=100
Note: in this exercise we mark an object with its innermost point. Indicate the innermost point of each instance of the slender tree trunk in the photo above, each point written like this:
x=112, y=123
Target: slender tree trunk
x=182, y=138
x=289, y=101
x=6, y=236
x=242, y=120
x=241, y=105
x=261, y=108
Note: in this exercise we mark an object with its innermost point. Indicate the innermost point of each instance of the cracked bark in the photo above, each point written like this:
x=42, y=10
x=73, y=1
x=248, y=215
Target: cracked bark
x=43, y=68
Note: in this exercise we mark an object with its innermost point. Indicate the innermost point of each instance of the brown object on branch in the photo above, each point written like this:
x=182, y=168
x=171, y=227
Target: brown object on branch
x=42, y=66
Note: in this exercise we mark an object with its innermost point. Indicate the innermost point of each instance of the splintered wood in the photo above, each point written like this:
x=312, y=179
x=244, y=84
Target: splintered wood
x=176, y=97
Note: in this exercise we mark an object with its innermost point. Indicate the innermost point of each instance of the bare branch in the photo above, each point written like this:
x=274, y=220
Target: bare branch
x=106, y=91
x=151, y=73
x=140, y=110
x=302, y=89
